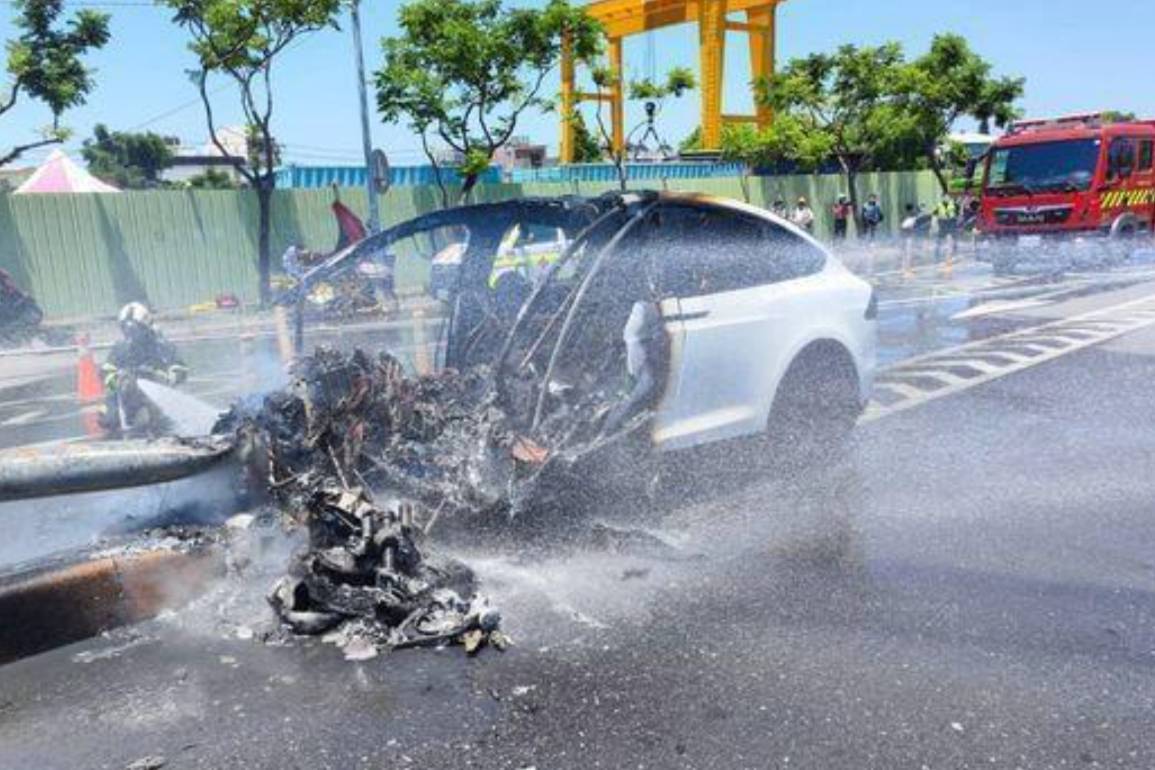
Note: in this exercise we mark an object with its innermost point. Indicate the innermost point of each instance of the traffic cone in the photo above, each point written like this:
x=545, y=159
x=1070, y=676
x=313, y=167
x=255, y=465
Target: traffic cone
x=89, y=388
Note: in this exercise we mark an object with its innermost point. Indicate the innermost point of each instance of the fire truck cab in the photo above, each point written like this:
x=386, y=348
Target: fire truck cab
x=1078, y=178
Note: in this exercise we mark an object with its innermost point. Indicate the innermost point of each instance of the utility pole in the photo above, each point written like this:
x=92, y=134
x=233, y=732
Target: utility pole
x=374, y=223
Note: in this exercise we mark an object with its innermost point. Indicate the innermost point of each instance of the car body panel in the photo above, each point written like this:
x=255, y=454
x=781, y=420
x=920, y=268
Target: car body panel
x=731, y=349
x=730, y=363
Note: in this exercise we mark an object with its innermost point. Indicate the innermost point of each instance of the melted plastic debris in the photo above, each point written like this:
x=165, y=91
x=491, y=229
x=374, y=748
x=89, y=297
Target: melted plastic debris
x=368, y=578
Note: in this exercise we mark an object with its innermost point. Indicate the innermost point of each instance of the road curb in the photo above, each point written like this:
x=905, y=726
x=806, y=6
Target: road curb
x=51, y=606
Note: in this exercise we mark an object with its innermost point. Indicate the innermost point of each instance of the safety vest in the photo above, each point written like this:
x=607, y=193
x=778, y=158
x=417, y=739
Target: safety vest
x=946, y=209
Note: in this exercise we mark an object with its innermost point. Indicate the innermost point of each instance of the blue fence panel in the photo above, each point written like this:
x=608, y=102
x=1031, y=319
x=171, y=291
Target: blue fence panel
x=605, y=172
x=293, y=176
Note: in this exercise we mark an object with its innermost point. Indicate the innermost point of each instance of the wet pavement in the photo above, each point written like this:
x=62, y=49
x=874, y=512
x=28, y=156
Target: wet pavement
x=971, y=588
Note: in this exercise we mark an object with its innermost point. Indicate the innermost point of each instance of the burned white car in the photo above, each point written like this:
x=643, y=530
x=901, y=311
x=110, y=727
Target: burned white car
x=682, y=319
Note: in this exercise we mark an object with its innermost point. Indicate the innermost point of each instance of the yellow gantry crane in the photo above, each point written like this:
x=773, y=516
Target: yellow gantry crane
x=622, y=18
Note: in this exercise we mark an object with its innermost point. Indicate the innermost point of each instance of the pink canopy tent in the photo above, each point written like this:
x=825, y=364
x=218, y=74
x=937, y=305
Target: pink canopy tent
x=58, y=174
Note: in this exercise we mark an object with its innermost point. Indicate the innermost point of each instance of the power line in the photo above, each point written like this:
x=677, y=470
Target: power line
x=191, y=102
x=179, y=108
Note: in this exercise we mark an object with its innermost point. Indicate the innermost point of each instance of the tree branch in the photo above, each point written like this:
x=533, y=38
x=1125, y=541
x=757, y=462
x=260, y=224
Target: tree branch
x=515, y=114
x=11, y=101
x=242, y=170
x=617, y=155
x=20, y=149
x=443, y=132
x=436, y=169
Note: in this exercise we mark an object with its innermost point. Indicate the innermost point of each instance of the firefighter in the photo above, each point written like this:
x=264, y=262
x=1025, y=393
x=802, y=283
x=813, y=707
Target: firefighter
x=142, y=352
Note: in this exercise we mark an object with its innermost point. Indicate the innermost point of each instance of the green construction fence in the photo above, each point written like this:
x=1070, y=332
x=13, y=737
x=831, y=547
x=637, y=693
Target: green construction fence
x=86, y=255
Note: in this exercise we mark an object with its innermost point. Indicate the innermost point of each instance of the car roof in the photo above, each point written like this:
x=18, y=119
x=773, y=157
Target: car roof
x=550, y=211
x=741, y=207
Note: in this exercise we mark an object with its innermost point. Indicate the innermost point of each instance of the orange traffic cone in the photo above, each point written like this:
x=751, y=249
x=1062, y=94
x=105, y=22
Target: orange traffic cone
x=89, y=388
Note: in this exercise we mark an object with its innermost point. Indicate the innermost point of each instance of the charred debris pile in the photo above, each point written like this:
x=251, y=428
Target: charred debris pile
x=370, y=461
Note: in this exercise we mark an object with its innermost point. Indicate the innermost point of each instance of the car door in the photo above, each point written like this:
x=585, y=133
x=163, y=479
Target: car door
x=733, y=290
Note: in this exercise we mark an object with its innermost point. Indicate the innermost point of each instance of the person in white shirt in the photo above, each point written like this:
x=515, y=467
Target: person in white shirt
x=803, y=215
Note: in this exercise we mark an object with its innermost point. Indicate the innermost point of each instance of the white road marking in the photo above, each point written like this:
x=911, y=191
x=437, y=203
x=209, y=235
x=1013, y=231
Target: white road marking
x=1094, y=327
x=25, y=417
x=999, y=306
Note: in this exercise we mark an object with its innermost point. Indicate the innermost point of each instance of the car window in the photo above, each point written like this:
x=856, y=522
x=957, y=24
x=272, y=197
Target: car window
x=1145, y=154
x=1121, y=158
x=705, y=250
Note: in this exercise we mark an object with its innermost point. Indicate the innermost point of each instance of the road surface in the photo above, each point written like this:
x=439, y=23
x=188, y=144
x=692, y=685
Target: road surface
x=972, y=588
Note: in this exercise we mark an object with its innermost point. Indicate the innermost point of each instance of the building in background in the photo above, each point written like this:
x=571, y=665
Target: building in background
x=520, y=152
x=12, y=177
x=189, y=162
x=976, y=144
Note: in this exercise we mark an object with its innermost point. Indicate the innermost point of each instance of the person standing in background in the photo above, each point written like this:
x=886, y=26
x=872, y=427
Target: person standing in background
x=841, y=211
x=872, y=216
x=803, y=215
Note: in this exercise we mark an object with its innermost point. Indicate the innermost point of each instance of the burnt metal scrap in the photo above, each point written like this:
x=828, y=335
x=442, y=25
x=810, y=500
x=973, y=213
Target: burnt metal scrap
x=365, y=571
x=351, y=423
x=369, y=460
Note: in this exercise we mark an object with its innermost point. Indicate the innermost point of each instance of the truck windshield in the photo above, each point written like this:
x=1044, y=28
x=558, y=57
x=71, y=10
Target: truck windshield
x=1048, y=166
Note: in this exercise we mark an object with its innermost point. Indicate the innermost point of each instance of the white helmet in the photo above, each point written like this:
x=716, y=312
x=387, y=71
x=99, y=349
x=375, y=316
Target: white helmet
x=135, y=313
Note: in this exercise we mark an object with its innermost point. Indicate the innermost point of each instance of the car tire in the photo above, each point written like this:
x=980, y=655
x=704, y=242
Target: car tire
x=815, y=407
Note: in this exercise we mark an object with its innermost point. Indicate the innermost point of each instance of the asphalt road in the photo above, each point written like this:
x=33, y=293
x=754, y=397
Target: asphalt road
x=971, y=588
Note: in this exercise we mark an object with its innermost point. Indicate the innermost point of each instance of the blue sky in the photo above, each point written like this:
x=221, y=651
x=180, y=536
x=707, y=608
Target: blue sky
x=1073, y=59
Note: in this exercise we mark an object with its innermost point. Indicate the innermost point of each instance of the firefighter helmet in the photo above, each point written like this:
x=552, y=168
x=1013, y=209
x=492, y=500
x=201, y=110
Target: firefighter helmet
x=135, y=313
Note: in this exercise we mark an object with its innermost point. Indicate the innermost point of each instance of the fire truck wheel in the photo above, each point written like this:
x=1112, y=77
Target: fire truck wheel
x=1125, y=226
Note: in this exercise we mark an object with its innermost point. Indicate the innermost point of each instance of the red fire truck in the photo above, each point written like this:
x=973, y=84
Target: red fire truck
x=1073, y=179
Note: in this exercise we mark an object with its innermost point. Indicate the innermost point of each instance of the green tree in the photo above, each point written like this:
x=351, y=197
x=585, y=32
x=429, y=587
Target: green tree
x=837, y=105
x=742, y=143
x=465, y=71
x=125, y=159
x=946, y=84
x=212, y=179
x=241, y=40
x=44, y=64
x=677, y=82
x=586, y=147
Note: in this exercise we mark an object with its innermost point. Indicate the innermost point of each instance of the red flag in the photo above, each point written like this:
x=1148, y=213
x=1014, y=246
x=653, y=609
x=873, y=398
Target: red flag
x=349, y=226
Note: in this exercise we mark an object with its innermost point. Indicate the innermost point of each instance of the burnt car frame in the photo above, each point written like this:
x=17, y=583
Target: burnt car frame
x=760, y=331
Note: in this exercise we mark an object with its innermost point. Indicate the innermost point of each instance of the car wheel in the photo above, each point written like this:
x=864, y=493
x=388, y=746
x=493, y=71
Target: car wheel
x=815, y=408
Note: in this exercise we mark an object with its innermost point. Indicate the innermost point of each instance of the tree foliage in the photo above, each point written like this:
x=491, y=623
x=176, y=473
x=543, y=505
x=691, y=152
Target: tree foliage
x=241, y=40
x=677, y=81
x=869, y=108
x=586, y=147
x=949, y=82
x=212, y=179
x=464, y=72
x=837, y=105
x=125, y=159
x=44, y=63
